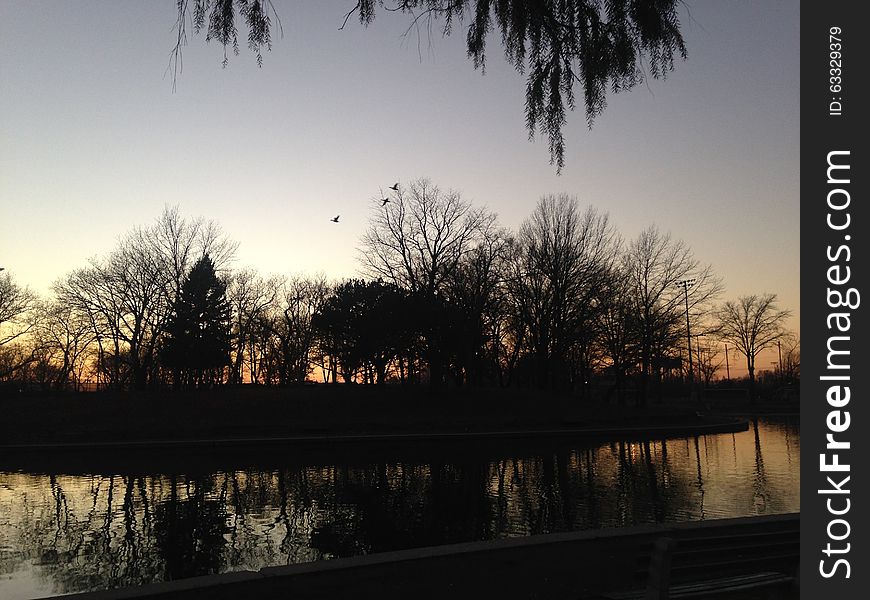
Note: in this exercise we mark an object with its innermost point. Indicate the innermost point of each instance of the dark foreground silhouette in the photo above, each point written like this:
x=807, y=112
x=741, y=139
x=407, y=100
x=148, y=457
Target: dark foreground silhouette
x=319, y=410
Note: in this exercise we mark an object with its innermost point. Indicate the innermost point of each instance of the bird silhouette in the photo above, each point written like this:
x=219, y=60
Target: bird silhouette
x=335, y=218
x=384, y=201
x=395, y=187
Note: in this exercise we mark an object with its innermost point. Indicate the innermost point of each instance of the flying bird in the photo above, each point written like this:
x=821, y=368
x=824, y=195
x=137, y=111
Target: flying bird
x=384, y=201
x=335, y=218
x=395, y=187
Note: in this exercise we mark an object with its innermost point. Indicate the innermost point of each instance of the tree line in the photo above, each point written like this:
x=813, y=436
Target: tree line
x=446, y=297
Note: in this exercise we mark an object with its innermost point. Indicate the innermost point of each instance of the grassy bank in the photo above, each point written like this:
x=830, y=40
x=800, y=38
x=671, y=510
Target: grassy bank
x=310, y=410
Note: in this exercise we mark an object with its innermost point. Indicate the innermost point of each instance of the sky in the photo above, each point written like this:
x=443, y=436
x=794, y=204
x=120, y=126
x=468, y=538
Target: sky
x=94, y=141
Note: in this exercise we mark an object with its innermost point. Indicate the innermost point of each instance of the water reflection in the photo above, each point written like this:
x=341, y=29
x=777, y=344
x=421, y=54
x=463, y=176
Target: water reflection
x=62, y=534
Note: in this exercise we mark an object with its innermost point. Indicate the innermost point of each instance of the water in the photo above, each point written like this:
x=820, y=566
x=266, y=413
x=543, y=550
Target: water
x=69, y=533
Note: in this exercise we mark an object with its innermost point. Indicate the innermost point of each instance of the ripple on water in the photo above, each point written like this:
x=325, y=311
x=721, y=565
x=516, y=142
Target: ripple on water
x=64, y=534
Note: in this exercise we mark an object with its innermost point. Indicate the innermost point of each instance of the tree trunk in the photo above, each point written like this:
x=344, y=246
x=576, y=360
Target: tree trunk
x=751, y=366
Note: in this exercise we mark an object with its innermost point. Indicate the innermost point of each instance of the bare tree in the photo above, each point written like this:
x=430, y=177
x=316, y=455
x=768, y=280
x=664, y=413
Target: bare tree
x=709, y=360
x=90, y=291
x=418, y=239
x=291, y=331
x=791, y=357
x=752, y=323
x=66, y=335
x=121, y=296
x=618, y=328
x=19, y=315
x=178, y=243
x=415, y=242
x=560, y=265
x=251, y=297
x=127, y=296
x=138, y=277
x=476, y=288
x=655, y=265
x=16, y=309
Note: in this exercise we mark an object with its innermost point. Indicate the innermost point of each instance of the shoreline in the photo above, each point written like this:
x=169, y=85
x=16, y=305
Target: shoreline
x=250, y=428
x=634, y=433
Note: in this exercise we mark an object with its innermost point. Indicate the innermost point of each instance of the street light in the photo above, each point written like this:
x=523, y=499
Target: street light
x=727, y=366
x=686, y=284
x=779, y=348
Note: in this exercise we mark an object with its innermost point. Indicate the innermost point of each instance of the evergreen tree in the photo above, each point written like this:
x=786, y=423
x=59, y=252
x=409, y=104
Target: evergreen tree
x=197, y=347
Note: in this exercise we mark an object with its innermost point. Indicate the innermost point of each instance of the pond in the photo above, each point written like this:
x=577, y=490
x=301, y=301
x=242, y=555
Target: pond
x=63, y=533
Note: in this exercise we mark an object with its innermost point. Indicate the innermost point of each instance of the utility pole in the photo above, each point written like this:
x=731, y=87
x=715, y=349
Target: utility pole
x=779, y=347
x=686, y=284
x=727, y=368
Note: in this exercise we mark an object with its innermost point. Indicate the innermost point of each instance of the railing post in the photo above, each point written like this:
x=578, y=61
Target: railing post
x=659, y=580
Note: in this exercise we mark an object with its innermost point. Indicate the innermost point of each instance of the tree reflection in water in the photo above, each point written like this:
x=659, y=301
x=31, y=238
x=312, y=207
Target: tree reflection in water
x=76, y=533
x=191, y=527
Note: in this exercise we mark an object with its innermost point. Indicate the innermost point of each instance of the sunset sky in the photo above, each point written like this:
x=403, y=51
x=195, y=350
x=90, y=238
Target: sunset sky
x=94, y=141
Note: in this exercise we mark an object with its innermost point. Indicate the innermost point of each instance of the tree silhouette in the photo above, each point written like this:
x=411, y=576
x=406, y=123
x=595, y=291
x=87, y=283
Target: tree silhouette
x=477, y=292
x=340, y=322
x=618, y=328
x=562, y=259
x=417, y=242
x=600, y=46
x=190, y=530
x=363, y=326
x=16, y=302
x=251, y=298
x=655, y=264
x=561, y=304
x=791, y=358
x=17, y=317
x=752, y=324
x=127, y=297
x=65, y=335
x=198, y=343
x=289, y=332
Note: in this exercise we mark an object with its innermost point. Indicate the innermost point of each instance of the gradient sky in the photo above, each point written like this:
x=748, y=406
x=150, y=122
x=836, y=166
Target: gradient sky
x=93, y=140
